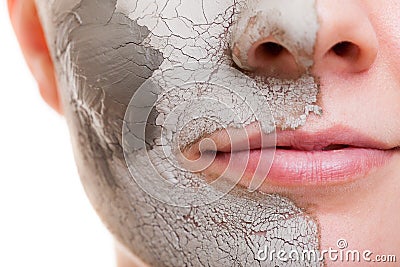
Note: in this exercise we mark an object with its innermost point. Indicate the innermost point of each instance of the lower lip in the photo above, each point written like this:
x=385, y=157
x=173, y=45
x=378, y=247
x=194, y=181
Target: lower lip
x=293, y=167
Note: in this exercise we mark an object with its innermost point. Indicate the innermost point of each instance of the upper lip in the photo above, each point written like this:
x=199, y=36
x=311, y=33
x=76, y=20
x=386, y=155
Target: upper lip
x=334, y=138
x=329, y=139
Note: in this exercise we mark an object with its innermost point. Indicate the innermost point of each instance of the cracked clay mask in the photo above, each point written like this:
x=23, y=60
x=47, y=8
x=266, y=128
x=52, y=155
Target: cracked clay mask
x=141, y=80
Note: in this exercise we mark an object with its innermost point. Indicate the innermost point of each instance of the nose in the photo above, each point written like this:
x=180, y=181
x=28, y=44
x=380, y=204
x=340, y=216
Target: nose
x=286, y=38
x=347, y=41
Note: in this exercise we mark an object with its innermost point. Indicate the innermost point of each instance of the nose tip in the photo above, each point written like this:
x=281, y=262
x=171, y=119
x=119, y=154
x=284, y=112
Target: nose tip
x=338, y=38
x=347, y=42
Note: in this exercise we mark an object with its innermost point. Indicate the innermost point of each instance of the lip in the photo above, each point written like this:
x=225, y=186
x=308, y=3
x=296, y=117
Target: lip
x=326, y=157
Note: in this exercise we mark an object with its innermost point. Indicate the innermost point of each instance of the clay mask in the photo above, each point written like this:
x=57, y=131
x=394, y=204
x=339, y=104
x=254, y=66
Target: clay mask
x=141, y=79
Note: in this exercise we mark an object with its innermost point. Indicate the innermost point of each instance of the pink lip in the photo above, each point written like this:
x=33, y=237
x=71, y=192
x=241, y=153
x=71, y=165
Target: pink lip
x=299, y=167
x=332, y=156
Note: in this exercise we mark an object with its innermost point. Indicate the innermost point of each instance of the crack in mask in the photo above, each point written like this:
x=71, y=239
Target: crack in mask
x=201, y=100
x=104, y=54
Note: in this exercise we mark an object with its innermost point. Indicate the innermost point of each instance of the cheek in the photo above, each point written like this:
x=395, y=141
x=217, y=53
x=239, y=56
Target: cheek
x=183, y=31
x=387, y=26
x=389, y=38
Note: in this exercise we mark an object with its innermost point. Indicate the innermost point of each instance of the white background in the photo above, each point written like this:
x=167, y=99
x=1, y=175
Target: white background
x=45, y=217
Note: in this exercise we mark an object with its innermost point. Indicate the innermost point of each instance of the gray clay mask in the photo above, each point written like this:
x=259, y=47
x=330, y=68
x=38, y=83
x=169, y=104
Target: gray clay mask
x=141, y=79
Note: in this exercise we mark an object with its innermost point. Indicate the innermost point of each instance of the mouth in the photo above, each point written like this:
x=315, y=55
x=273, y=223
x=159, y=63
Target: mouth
x=290, y=158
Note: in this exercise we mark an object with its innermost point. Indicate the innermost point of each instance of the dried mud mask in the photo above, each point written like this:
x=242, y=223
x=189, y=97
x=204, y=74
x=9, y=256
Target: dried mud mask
x=291, y=23
x=106, y=54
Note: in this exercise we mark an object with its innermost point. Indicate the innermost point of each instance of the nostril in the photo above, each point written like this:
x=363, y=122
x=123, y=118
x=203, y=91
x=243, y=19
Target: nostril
x=269, y=50
x=271, y=59
x=346, y=50
x=267, y=58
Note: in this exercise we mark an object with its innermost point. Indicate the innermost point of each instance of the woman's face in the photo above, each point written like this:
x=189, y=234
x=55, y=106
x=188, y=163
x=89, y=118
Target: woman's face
x=207, y=131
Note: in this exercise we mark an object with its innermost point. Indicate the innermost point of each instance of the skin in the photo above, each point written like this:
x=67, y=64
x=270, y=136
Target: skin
x=363, y=212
